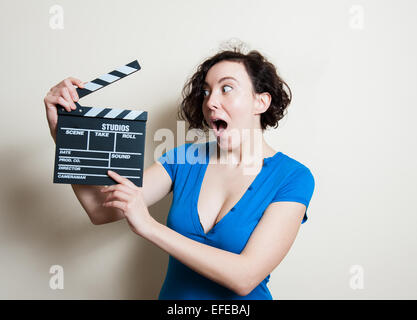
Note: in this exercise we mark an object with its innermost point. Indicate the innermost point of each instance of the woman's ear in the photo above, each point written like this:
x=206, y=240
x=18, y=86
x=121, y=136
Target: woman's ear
x=263, y=101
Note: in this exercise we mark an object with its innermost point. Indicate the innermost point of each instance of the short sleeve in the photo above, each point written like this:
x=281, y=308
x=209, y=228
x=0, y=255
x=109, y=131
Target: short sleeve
x=172, y=159
x=169, y=162
x=298, y=187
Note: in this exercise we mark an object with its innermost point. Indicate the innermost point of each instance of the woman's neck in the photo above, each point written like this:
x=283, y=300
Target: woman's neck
x=249, y=153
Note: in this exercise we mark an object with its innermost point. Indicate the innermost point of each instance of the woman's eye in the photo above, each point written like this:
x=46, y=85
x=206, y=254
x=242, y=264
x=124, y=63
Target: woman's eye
x=228, y=87
x=206, y=92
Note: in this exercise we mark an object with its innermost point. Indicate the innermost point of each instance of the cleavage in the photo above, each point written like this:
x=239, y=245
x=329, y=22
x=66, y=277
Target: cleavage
x=221, y=190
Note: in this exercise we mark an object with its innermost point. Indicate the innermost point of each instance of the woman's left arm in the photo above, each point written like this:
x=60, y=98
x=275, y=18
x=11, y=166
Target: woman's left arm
x=241, y=273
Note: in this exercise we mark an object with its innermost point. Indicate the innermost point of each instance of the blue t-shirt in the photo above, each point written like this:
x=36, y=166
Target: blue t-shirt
x=280, y=179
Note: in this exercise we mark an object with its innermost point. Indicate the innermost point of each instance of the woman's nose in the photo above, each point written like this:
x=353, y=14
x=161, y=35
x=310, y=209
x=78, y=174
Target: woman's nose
x=212, y=102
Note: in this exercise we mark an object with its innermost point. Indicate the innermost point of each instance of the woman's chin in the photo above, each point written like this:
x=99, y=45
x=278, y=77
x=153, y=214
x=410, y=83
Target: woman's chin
x=228, y=140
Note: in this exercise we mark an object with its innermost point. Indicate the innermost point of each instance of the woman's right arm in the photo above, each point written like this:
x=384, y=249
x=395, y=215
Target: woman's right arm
x=156, y=185
x=156, y=181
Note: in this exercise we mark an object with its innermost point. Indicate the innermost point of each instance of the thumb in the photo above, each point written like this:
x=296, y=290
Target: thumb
x=77, y=82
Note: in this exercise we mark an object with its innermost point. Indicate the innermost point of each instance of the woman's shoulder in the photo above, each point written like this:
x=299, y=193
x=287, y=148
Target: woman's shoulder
x=188, y=153
x=290, y=164
x=195, y=145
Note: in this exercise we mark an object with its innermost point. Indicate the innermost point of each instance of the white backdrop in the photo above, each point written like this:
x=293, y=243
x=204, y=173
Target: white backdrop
x=352, y=68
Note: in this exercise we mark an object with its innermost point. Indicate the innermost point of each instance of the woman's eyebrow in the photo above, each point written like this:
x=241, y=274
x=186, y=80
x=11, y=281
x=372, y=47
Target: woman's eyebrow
x=222, y=79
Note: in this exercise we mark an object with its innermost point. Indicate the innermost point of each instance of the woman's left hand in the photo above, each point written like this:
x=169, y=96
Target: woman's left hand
x=127, y=197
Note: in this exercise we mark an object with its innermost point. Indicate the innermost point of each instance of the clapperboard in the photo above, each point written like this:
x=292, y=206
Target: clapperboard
x=92, y=140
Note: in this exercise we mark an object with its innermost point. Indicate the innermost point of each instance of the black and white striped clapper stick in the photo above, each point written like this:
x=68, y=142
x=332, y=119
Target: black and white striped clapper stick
x=92, y=140
x=108, y=78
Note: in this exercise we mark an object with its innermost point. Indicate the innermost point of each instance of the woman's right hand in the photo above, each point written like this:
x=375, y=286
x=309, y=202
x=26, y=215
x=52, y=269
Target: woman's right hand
x=64, y=94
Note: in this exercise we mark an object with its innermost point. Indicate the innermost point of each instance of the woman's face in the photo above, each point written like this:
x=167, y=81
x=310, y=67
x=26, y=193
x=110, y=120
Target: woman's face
x=228, y=96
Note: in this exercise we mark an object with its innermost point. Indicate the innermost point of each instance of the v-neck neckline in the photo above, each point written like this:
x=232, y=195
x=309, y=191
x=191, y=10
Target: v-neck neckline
x=197, y=192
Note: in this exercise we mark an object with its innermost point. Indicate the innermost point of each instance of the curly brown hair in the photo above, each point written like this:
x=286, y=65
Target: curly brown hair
x=264, y=78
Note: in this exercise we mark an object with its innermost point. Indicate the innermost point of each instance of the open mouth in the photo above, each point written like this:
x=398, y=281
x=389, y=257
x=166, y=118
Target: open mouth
x=219, y=126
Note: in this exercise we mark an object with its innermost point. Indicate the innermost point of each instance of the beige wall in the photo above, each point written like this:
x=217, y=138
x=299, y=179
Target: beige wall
x=351, y=122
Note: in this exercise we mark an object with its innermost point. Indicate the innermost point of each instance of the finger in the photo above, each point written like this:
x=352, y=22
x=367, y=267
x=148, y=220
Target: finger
x=71, y=89
x=51, y=101
x=119, y=187
x=77, y=82
x=51, y=112
x=116, y=204
x=118, y=178
x=66, y=95
x=64, y=103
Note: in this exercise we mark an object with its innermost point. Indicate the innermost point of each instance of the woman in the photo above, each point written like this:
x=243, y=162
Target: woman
x=228, y=226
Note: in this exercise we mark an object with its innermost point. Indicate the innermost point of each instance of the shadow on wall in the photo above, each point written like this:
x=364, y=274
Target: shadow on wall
x=41, y=217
